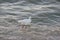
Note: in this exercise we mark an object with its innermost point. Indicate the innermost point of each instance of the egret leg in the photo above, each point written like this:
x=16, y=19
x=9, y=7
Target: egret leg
x=27, y=27
x=22, y=27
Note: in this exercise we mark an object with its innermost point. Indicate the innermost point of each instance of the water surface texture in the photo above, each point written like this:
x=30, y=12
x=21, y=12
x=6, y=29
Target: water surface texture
x=45, y=19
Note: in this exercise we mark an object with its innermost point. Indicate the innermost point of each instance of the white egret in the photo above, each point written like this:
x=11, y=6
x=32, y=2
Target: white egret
x=25, y=23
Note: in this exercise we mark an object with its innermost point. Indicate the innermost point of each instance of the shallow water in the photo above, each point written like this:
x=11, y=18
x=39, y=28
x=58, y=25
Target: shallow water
x=45, y=19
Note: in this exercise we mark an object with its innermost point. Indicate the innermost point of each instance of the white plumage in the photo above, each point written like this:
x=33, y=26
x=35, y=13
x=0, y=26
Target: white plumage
x=25, y=21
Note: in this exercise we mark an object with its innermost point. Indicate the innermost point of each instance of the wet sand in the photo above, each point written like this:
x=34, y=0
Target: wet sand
x=40, y=32
x=10, y=30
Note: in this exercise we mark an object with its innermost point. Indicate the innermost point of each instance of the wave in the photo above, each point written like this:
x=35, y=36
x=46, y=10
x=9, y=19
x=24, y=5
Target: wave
x=41, y=14
x=30, y=1
x=11, y=1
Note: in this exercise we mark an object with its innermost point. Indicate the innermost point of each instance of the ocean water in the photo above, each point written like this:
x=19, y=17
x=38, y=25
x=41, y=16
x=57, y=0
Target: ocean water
x=45, y=14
